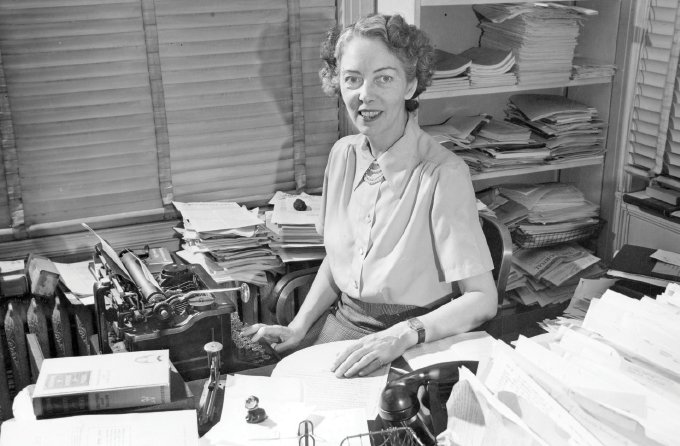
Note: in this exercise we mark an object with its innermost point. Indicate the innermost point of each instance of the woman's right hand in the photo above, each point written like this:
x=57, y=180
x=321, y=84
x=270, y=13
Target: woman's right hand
x=280, y=338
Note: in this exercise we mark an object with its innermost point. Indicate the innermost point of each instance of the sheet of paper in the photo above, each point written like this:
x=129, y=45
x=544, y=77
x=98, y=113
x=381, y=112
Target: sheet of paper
x=322, y=389
x=282, y=399
x=77, y=277
x=666, y=256
x=471, y=346
x=587, y=290
x=169, y=428
x=216, y=216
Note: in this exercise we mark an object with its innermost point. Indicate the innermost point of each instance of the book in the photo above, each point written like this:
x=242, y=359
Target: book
x=82, y=384
x=652, y=204
x=670, y=196
x=634, y=262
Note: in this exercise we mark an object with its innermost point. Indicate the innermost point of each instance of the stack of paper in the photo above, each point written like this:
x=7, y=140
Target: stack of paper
x=451, y=71
x=568, y=128
x=228, y=240
x=293, y=235
x=457, y=132
x=551, y=203
x=505, y=140
x=542, y=37
x=585, y=68
x=490, y=67
x=552, y=273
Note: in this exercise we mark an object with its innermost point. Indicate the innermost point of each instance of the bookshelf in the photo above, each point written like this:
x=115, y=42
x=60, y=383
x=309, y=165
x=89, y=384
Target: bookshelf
x=452, y=26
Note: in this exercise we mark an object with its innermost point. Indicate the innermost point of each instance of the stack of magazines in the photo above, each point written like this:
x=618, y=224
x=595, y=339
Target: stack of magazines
x=542, y=37
x=568, y=128
x=490, y=67
x=451, y=72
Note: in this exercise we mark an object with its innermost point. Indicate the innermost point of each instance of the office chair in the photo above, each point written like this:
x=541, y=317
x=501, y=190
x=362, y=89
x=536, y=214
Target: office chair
x=284, y=300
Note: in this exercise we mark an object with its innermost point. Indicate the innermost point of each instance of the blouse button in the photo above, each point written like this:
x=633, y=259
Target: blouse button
x=356, y=284
x=368, y=218
x=361, y=251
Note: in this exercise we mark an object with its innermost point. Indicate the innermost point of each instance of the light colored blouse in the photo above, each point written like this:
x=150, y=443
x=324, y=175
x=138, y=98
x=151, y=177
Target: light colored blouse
x=406, y=239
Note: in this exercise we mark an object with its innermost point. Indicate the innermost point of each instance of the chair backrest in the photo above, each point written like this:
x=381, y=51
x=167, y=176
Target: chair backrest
x=284, y=300
x=500, y=245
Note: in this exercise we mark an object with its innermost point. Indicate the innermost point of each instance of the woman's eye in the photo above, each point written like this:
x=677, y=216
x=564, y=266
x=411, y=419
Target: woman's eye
x=353, y=82
x=384, y=79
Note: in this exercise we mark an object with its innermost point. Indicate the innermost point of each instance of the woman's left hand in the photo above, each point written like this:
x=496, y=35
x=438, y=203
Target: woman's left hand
x=370, y=353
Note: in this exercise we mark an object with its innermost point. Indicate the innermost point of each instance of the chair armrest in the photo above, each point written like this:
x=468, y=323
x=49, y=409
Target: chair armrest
x=282, y=297
x=500, y=245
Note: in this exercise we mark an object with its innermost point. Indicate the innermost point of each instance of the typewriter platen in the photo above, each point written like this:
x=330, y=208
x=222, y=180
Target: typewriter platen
x=171, y=306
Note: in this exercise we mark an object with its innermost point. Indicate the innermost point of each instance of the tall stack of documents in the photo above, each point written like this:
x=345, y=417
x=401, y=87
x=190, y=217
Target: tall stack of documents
x=292, y=229
x=229, y=241
x=542, y=37
x=569, y=129
x=614, y=379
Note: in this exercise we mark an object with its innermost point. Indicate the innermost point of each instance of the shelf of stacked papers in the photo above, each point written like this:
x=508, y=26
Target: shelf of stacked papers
x=523, y=46
x=539, y=130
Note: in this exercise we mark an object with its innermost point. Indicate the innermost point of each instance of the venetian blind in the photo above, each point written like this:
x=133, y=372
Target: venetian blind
x=320, y=111
x=671, y=162
x=79, y=95
x=658, y=51
x=238, y=101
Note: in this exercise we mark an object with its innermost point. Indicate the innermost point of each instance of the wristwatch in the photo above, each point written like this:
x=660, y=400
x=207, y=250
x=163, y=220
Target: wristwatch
x=415, y=324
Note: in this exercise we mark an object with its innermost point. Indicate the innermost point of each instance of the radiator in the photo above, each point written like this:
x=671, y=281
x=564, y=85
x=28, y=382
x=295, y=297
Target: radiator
x=35, y=328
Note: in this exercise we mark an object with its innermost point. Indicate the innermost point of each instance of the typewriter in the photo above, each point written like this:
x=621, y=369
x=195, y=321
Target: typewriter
x=171, y=306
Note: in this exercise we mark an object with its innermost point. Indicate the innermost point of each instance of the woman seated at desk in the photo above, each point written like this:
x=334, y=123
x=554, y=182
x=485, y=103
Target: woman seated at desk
x=406, y=261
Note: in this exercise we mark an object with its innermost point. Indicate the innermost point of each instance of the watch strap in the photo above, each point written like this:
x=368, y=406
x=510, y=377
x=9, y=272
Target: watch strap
x=416, y=325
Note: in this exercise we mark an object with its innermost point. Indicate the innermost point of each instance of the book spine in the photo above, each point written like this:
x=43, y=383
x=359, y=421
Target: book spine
x=57, y=405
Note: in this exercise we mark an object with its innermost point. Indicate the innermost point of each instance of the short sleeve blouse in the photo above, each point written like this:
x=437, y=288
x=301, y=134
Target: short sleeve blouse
x=407, y=238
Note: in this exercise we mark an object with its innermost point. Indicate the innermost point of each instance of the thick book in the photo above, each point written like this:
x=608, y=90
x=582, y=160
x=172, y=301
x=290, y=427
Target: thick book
x=82, y=384
x=635, y=263
x=646, y=202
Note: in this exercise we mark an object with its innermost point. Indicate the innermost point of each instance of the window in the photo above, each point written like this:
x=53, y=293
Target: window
x=654, y=121
x=112, y=109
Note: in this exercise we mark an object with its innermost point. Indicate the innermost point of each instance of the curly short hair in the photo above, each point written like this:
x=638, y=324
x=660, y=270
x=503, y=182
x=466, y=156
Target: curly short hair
x=409, y=44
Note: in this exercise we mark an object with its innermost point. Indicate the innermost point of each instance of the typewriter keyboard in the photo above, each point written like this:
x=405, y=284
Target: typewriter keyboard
x=255, y=353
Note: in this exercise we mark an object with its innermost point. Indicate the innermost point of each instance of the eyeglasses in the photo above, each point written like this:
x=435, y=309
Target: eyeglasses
x=306, y=433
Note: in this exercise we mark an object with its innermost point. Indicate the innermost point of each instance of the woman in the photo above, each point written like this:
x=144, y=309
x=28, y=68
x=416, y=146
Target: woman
x=406, y=260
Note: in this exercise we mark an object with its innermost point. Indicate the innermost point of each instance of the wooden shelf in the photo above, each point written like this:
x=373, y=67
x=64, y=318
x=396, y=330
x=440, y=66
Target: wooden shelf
x=591, y=161
x=511, y=88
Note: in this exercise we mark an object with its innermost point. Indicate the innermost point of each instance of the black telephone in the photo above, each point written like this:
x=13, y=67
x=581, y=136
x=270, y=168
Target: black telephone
x=403, y=404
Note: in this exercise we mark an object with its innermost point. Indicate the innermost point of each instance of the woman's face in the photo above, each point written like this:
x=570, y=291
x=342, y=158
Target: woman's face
x=374, y=87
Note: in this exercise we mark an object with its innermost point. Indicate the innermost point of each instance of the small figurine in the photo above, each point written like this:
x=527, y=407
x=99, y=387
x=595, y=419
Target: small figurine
x=255, y=414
